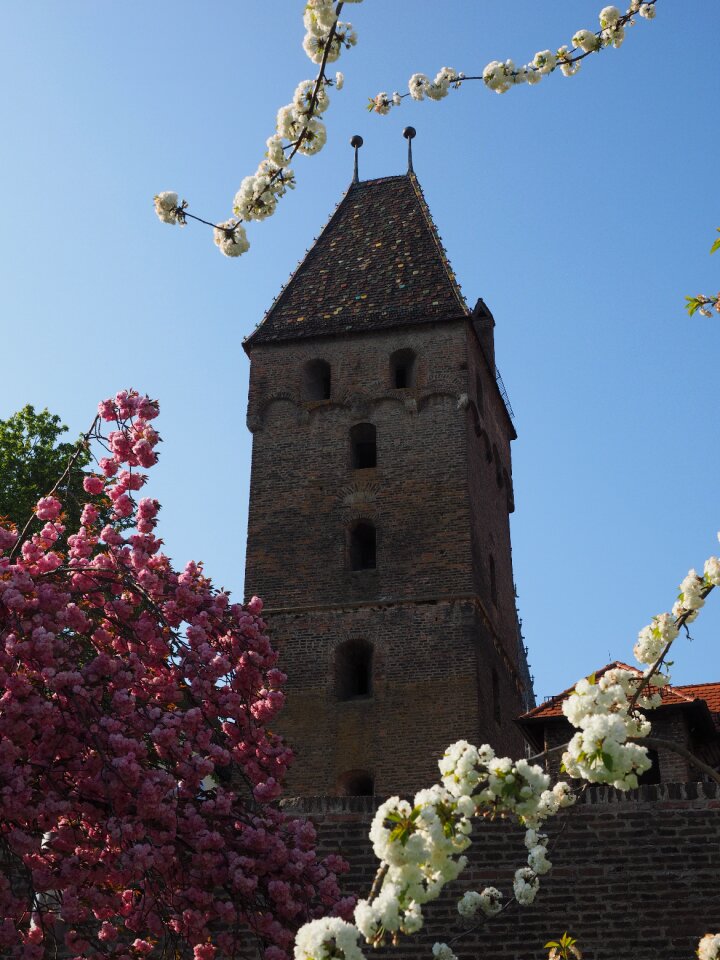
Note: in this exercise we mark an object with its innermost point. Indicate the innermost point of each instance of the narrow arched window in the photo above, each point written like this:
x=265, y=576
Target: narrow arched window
x=356, y=783
x=402, y=369
x=362, y=546
x=317, y=380
x=497, y=711
x=363, y=447
x=493, y=581
x=353, y=670
x=479, y=396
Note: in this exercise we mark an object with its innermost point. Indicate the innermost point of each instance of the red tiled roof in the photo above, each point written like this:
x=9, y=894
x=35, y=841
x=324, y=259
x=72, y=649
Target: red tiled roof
x=378, y=263
x=709, y=692
x=680, y=695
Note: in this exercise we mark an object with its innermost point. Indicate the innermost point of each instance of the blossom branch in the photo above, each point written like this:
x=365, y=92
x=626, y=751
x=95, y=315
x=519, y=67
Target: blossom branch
x=501, y=76
x=298, y=130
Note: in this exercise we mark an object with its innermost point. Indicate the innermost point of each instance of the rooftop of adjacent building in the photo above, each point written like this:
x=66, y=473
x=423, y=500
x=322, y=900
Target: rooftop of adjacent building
x=677, y=696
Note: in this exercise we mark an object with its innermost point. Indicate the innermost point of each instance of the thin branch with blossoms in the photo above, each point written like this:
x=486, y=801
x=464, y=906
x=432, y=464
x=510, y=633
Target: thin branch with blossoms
x=501, y=76
x=298, y=130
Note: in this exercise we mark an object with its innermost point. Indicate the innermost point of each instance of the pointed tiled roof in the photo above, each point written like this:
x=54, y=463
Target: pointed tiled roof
x=377, y=263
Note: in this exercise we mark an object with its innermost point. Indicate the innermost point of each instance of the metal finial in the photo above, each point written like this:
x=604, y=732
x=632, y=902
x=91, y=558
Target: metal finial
x=357, y=142
x=409, y=133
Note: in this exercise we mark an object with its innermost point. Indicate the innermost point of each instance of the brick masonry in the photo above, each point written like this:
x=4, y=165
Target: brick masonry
x=439, y=497
x=634, y=875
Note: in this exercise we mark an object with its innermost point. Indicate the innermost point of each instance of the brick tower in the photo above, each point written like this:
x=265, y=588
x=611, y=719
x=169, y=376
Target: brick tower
x=378, y=531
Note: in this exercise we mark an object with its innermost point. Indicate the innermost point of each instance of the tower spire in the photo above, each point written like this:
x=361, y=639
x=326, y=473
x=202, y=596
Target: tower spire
x=356, y=142
x=409, y=134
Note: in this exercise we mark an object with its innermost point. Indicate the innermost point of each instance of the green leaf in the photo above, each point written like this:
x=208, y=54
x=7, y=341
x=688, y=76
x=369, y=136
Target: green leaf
x=692, y=305
x=716, y=245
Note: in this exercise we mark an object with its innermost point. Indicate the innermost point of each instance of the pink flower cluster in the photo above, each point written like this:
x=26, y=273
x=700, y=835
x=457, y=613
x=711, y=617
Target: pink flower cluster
x=137, y=773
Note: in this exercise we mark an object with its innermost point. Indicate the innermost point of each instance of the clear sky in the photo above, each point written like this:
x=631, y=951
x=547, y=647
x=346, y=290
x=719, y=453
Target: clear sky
x=581, y=210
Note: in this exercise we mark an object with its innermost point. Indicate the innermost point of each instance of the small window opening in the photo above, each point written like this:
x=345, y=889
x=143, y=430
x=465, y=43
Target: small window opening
x=362, y=546
x=498, y=468
x=493, y=581
x=318, y=380
x=479, y=396
x=402, y=369
x=653, y=774
x=497, y=714
x=353, y=670
x=356, y=783
x=363, y=445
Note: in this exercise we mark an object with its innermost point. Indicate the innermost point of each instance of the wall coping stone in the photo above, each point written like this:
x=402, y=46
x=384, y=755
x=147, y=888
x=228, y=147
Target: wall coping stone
x=595, y=795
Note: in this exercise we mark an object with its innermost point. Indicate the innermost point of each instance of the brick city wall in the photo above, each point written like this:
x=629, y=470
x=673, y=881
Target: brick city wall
x=635, y=876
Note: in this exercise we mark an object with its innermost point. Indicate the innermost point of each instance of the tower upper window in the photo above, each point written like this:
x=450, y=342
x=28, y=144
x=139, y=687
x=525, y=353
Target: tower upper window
x=363, y=446
x=317, y=380
x=362, y=546
x=402, y=369
x=353, y=669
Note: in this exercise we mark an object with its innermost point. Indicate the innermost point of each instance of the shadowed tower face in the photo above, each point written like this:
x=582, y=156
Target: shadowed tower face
x=378, y=531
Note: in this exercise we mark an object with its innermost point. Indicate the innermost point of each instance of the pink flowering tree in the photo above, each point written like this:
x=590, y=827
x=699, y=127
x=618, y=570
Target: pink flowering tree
x=137, y=771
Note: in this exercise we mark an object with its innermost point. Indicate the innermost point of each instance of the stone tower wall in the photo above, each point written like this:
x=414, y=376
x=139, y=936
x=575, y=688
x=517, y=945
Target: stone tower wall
x=443, y=628
x=432, y=669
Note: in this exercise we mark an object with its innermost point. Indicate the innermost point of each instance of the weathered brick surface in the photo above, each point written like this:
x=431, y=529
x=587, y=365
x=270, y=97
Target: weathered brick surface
x=634, y=876
x=439, y=626
x=431, y=685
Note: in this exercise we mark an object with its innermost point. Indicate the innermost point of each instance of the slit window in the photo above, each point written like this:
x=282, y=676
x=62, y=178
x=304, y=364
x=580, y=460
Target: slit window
x=498, y=468
x=363, y=446
x=363, y=546
x=402, y=369
x=497, y=714
x=356, y=783
x=353, y=670
x=318, y=380
x=479, y=399
x=493, y=581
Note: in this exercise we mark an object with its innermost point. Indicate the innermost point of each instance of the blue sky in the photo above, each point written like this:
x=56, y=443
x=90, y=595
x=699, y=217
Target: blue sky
x=582, y=211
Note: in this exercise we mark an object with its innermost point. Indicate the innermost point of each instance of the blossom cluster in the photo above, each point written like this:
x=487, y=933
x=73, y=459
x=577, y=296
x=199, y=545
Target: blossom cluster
x=298, y=129
x=703, y=304
x=603, y=711
x=500, y=76
x=137, y=771
x=709, y=947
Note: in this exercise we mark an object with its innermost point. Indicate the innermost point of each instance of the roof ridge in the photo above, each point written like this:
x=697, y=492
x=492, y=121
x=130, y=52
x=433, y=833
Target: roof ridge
x=436, y=237
x=707, y=683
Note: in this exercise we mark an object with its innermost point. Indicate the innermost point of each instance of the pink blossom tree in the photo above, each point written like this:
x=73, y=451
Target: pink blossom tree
x=137, y=771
